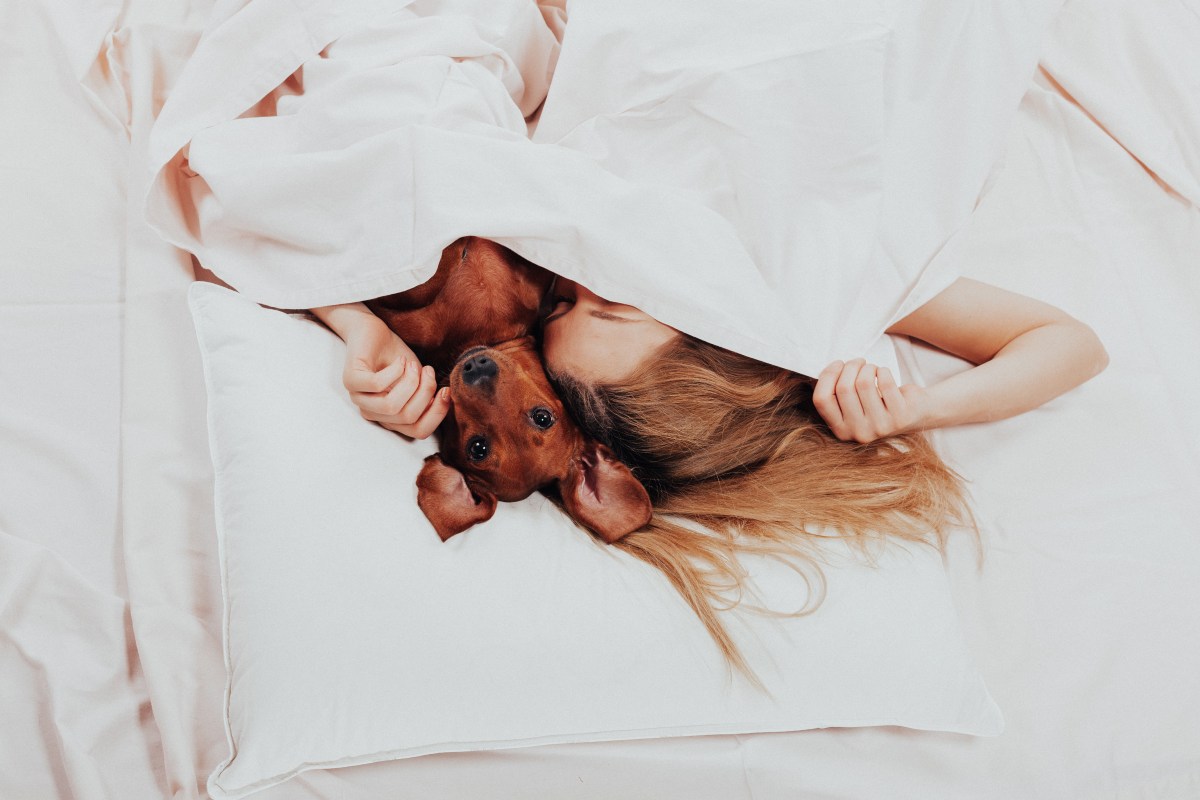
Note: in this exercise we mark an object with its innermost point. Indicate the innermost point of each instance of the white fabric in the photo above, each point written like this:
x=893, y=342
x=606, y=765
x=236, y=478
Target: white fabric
x=1127, y=64
x=165, y=491
x=354, y=634
x=1082, y=620
x=72, y=692
x=833, y=138
x=408, y=133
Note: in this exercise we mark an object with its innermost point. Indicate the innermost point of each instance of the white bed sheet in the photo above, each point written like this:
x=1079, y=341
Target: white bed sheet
x=77, y=713
x=1083, y=619
x=74, y=716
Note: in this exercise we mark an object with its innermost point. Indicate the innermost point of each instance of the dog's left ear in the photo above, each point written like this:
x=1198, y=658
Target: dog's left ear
x=447, y=501
x=602, y=494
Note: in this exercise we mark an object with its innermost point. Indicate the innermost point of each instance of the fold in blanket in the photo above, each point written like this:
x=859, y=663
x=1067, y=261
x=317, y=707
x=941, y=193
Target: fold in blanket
x=766, y=182
x=409, y=133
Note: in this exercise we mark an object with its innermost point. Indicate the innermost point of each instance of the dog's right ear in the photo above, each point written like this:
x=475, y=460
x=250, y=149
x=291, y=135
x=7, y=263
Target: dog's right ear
x=447, y=501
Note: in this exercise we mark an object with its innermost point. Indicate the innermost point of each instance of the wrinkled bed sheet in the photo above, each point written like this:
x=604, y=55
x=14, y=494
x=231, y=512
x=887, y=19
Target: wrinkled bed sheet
x=1082, y=620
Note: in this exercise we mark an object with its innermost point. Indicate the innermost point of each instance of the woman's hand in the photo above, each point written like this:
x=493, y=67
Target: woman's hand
x=861, y=402
x=383, y=375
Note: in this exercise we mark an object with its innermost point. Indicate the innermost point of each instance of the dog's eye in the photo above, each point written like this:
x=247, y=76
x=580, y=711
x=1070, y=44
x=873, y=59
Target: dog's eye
x=542, y=417
x=477, y=448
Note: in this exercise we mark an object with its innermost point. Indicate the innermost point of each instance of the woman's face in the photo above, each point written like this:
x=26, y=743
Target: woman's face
x=591, y=339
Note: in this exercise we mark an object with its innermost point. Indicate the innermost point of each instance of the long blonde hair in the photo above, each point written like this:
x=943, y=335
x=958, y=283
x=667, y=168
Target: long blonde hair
x=737, y=460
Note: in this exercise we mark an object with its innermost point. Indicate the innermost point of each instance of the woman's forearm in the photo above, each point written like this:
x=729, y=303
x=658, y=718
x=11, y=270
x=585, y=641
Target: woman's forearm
x=1027, y=353
x=346, y=318
x=1032, y=369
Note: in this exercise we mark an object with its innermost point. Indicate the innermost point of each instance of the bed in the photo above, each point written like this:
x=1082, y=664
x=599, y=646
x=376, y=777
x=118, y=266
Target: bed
x=1082, y=620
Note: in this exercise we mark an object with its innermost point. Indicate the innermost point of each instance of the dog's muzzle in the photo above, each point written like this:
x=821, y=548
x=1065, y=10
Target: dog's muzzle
x=479, y=370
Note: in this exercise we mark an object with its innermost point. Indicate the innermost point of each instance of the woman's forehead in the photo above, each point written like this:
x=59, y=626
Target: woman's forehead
x=596, y=350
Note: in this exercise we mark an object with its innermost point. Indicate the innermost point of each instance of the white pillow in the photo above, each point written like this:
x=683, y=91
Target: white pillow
x=353, y=634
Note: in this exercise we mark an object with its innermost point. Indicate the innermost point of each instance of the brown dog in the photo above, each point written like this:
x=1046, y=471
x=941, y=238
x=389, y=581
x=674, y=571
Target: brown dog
x=507, y=434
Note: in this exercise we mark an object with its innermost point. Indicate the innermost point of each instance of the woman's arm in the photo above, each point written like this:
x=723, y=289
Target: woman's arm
x=384, y=377
x=1026, y=353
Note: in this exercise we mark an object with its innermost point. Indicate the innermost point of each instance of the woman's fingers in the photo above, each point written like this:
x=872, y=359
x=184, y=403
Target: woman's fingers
x=413, y=407
x=825, y=401
x=836, y=398
x=361, y=379
x=846, y=392
x=384, y=406
x=429, y=421
x=876, y=422
x=420, y=399
x=893, y=400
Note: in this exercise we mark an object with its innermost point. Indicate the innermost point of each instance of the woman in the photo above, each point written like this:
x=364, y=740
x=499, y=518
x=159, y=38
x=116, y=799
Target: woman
x=740, y=456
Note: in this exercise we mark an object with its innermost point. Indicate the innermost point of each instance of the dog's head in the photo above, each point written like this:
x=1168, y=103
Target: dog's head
x=507, y=435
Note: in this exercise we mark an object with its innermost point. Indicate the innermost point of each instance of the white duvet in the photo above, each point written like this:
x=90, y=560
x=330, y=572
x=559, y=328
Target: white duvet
x=782, y=181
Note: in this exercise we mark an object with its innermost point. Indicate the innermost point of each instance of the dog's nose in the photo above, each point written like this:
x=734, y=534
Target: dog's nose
x=479, y=369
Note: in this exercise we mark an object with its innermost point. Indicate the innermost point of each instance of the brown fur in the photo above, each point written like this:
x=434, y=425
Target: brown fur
x=482, y=294
x=483, y=301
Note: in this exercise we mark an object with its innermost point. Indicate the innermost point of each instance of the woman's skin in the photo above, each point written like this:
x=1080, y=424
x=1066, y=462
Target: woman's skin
x=383, y=376
x=1026, y=353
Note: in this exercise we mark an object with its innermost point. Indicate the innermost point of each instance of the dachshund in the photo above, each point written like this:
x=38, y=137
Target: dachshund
x=506, y=434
